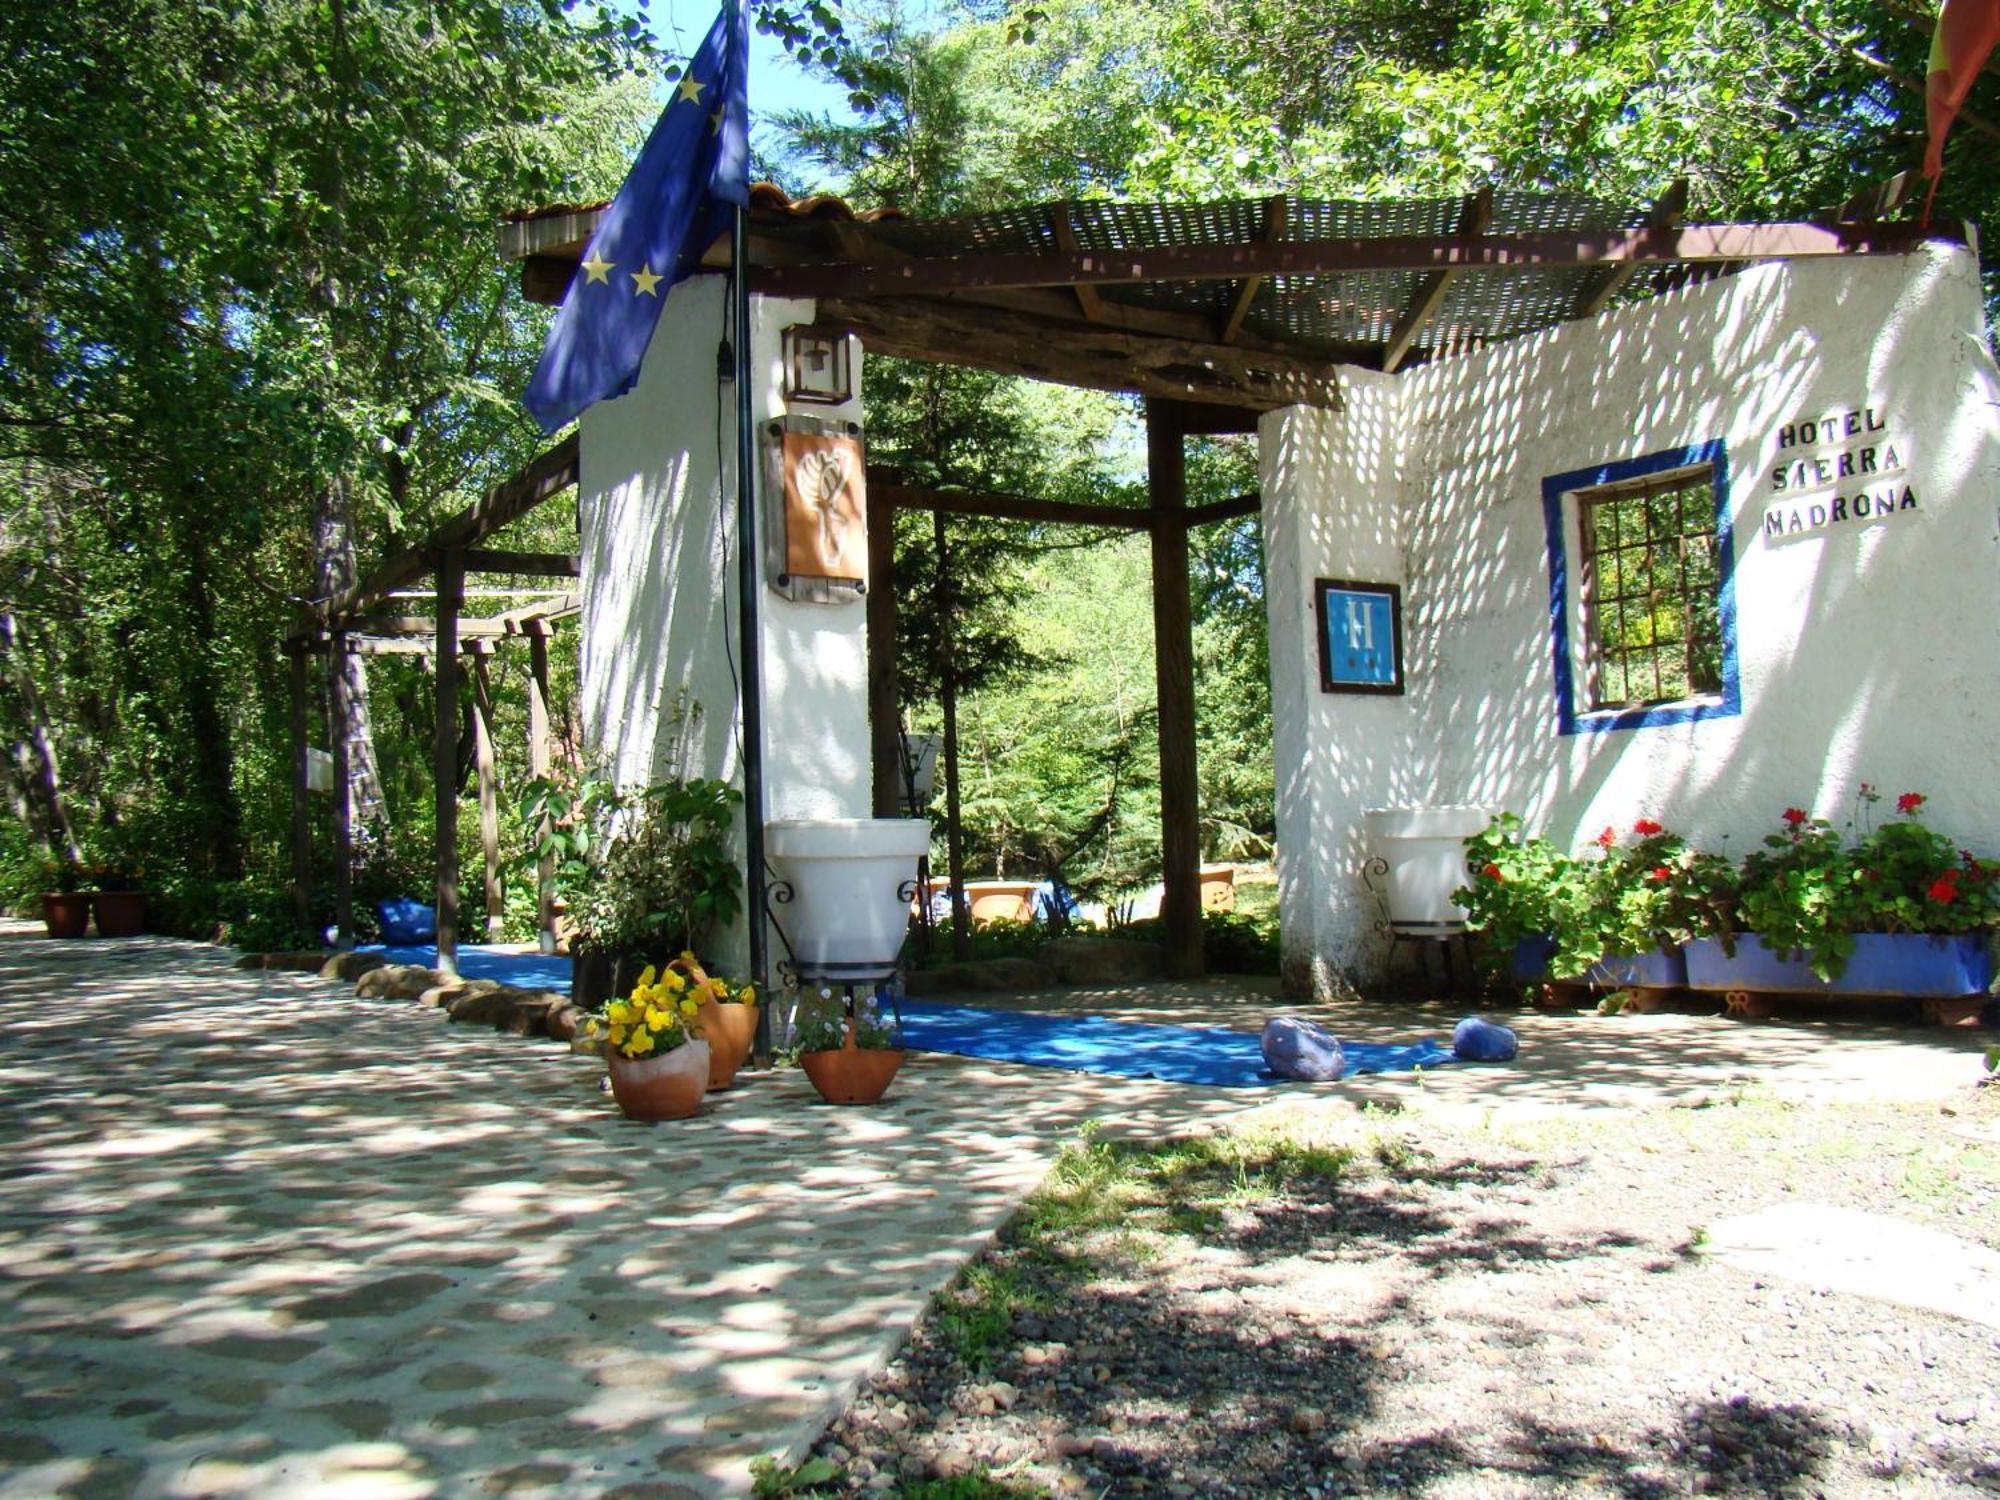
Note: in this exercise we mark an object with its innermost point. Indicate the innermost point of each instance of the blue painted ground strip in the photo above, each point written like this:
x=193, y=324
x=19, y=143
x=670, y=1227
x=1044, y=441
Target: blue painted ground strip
x=529, y=971
x=1079, y=1044
x=1126, y=1049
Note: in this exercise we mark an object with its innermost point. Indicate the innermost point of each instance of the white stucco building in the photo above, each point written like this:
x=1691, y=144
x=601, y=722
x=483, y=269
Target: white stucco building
x=1845, y=416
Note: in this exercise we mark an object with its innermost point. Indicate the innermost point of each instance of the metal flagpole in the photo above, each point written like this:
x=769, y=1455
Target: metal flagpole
x=748, y=567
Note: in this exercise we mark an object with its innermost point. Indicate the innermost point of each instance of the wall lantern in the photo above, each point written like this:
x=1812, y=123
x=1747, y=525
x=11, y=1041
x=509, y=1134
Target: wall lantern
x=818, y=365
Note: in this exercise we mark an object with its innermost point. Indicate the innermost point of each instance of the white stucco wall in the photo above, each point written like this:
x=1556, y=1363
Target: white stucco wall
x=657, y=506
x=1868, y=652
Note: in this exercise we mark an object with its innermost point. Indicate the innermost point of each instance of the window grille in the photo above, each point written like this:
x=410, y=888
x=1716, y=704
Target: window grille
x=1650, y=589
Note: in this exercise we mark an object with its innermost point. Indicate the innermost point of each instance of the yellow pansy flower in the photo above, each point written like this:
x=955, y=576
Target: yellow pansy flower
x=645, y=976
x=641, y=1045
x=747, y=995
x=655, y=1018
x=690, y=1008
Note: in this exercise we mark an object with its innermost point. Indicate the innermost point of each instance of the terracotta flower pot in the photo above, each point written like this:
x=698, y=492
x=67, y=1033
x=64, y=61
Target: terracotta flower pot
x=120, y=913
x=730, y=1031
x=66, y=914
x=666, y=1087
x=851, y=1074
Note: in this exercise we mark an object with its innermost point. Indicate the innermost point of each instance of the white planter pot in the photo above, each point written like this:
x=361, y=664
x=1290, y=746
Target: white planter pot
x=851, y=881
x=1424, y=850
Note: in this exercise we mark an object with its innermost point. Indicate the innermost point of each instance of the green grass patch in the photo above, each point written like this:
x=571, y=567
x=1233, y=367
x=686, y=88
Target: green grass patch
x=1120, y=1195
x=978, y=1486
x=975, y=1314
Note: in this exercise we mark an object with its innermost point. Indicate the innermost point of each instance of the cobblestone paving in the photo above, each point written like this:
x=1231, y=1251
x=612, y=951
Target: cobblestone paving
x=260, y=1237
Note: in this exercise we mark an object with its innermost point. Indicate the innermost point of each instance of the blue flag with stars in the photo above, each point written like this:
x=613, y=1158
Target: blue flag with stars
x=694, y=167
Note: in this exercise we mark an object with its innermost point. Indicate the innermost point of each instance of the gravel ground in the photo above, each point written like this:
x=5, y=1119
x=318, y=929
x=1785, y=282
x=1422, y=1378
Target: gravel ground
x=1371, y=1304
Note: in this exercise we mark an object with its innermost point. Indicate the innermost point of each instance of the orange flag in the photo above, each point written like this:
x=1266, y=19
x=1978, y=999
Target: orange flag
x=1964, y=38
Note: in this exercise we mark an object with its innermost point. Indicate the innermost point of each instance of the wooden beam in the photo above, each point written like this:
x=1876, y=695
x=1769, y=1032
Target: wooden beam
x=444, y=757
x=1276, y=211
x=528, y=619
x=851, y=243
x=538, y=767
x=1098, y=358
x=1696, y=243
x=1087, y=300
x=1006, y=507
x=1473, y=220
x=1664, y=214
x=489, y=795
x=1173, y=666
x=524, y=564
x=885, y=747
x=1225, y=510
x=1197, y=419
x=547, y=475
x=298, y=681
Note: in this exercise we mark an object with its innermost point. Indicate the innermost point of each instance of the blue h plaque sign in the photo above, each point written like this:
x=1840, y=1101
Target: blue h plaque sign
x=1360, y=636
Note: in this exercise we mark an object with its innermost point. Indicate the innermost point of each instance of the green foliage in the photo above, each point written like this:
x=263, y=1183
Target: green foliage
x=1232, y=942
x=770, y=1481
x=646, y=869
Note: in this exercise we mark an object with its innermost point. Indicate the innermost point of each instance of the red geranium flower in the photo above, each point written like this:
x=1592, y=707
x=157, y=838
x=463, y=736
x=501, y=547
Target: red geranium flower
x=1909, y=802
x=1659, y=872
x=1944, y=890
x=1646, y=828
x=1796, y=815
x=1608, y=837
x=1492, y=872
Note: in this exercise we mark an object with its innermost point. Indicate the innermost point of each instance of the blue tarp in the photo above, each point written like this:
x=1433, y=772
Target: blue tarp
x=1080, y=1044
x=1126, y=1049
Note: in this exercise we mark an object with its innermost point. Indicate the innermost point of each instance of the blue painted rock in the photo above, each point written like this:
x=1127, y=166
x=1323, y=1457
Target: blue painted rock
x=1298, y=1049
x=1476, y=1039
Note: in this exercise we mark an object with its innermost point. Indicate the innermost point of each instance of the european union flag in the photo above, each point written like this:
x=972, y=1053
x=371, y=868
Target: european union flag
x=695, y=165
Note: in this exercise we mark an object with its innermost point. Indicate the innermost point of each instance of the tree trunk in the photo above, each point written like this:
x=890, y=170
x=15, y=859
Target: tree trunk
x=333, y=554
x=212, y=753
x=954, y=832
x=35, y=756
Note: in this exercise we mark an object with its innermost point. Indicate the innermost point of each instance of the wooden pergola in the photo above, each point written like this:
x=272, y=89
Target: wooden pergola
x=357, y=622
x=1214, y=314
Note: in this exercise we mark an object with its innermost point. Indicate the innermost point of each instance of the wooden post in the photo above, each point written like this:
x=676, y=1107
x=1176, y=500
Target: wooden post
x=444, y=754
x=538, y=767
x=340, y=714
x=489, y=791
x=1173, y=652
x=297, y=670
x=885, y=747
x=954, y=832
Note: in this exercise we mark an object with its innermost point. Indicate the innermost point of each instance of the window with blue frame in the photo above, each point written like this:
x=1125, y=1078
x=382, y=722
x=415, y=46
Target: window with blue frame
x=1644, y=624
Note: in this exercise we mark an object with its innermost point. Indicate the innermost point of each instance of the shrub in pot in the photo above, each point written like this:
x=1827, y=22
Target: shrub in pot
x=1615, y=915
x=1811, y=895
x=644, y=870
x=847, y=1048
x=658, y=1066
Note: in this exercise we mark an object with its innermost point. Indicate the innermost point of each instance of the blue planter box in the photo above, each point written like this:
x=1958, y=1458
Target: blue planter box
x=1644, y=971
x=1530, y=960
x=1884, y=963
